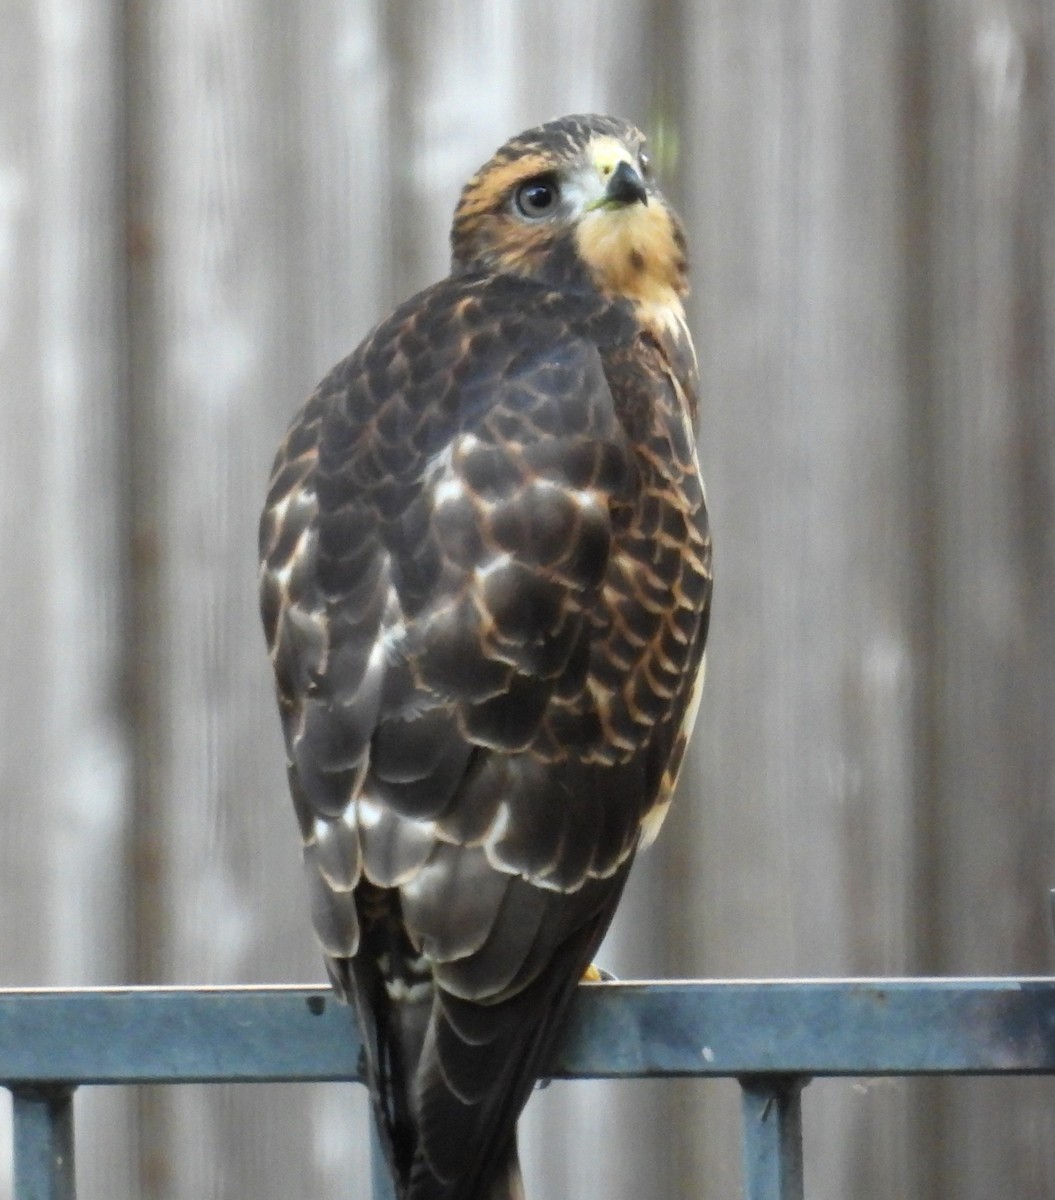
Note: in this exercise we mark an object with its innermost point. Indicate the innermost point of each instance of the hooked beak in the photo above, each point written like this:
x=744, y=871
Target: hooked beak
x=625, y=186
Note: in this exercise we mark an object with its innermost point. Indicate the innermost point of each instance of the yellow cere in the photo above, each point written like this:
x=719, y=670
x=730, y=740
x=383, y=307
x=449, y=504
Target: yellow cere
x=608, y=153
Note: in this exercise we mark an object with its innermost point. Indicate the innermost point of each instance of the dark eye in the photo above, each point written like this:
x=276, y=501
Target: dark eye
x=536, y=198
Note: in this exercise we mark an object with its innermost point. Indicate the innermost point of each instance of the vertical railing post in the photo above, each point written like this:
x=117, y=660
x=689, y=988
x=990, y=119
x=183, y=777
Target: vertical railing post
x=43, y=1128
x=772, y=1114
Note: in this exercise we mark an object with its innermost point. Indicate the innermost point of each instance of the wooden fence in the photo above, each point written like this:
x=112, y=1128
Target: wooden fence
x=204, y=203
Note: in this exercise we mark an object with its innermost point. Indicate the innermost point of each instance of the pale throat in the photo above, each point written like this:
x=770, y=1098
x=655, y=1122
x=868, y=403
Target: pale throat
x=632, y=253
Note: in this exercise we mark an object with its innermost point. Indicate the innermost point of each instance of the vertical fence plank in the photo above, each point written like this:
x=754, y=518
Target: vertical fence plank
x=796, y=855
x=338, y=284
x=64, y=759
x=64, y=751
x=220, y=359
x=992, y=267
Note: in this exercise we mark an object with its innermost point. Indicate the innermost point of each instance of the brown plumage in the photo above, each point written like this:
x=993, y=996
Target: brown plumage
x=485, y=586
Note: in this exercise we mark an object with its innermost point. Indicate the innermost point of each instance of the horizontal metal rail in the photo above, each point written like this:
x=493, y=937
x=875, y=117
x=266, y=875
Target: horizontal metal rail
x=773, y=1036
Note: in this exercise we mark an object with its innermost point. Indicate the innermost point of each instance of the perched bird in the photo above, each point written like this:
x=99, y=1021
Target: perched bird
x=486, y=578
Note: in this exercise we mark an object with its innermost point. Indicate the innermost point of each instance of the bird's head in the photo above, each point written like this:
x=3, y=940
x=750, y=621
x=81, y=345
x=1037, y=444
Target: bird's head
x=573, y=203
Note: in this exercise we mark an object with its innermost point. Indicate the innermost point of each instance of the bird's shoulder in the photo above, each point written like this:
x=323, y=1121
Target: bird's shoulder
x=447, y=355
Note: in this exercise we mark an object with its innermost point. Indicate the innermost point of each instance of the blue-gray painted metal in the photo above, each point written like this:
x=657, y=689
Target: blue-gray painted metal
x=43, y=1136
x=175, y=1035
x=771, y=1035
x=617, y=1030
x=813, y=1027
x=772, y=1148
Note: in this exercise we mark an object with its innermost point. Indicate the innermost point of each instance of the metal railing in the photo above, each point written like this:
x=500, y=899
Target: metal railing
x=772, y=1036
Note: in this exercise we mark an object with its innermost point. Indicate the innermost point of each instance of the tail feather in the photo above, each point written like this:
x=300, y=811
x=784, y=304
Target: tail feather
x=450, y=1074
x=507, y=1182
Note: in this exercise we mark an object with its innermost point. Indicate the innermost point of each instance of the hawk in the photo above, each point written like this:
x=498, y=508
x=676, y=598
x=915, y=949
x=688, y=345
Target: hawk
x=485, y=585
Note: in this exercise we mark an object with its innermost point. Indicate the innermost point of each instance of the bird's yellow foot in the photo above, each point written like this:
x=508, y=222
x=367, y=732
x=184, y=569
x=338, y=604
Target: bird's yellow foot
x=596, y=974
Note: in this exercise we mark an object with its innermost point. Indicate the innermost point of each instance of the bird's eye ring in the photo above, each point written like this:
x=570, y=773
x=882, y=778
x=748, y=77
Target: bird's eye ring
x=536, y=198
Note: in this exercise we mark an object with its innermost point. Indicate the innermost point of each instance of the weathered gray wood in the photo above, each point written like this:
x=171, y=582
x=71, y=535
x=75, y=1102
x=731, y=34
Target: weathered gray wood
x=64, y=796
x=797, y=853
x=220, y=360
x=992, y=270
